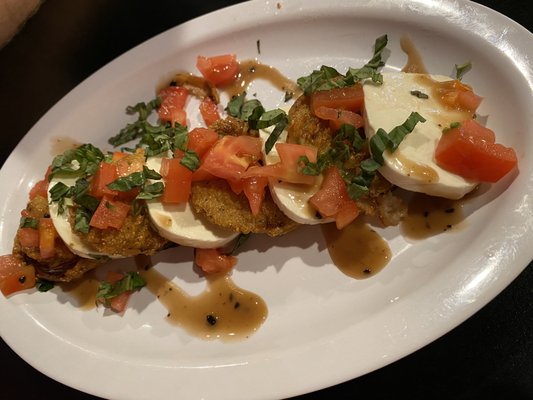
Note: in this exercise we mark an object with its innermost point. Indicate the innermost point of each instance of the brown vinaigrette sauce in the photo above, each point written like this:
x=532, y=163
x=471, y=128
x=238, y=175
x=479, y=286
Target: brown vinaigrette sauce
x=253, y=69
x=414, y=59
x=222, y=311
x=428, y=216
x=357, y=250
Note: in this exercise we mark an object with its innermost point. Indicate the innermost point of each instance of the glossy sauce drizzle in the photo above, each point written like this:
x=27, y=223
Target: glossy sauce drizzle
x=415, y=170
x=414, y=59
x=222, y=311
x=253, y=69
x=428, y=216
x=357, y=250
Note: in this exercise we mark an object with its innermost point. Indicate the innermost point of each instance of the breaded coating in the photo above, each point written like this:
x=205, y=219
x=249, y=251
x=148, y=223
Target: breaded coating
x=231, y=126
x=305, y=128
x=220, y=205
x=64, y=266
x=135, y=237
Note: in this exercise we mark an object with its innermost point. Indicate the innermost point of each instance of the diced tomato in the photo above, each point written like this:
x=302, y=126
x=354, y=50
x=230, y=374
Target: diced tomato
x=177, y=179
x=219, y=70
x=202, y=175
x=458, y=95
x=28, y=237
x=333, y=201
x=212, y=261
x=110, y=214
x=47, y=238
x=201, y=140
x=41, y=187
x=15, y=275
x=349, y=98
x=254, y=190
x=173, y=100
x=287, y=169
x=130, y=163
x=337, y=117
x=230, y=156
x=118, y=303
x=236, y=185
x=107, y=173
x=209, y=111
x=471, y=152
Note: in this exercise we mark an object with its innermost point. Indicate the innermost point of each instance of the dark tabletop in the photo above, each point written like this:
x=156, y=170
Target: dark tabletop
x=488, y=356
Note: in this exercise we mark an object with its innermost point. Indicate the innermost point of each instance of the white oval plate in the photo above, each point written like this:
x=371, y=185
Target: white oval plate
x=323, y=327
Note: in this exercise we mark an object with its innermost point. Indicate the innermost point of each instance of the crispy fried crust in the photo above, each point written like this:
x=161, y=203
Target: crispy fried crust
x=220, y=205
x=65, y=265
x=306, y=128
x=135, y=237
x=231, y=126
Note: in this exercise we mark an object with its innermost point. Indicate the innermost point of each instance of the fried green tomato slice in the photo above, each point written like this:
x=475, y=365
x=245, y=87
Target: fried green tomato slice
x=221, y=206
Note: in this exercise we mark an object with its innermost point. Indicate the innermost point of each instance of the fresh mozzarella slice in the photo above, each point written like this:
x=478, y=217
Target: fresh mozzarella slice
x=412, y=166
x=179, y=224
x=292, y=199
x=64, y=229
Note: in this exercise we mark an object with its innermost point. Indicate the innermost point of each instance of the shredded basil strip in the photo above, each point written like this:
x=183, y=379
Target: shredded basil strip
x=235, y=104
x=150, y=173
x=276, y=133
x=329, y=78
x=28, y=222
x=138, y=128
x=419, y=94
x=132, y=281
x=82, y=218
x=461, y=70
x=190, y=160
x=151, y=191
x=382, y=140
x=82, y=161
x=128, y=182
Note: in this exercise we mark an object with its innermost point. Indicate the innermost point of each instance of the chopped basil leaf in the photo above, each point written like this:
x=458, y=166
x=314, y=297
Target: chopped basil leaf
x=138, y=128
x=190, y=160
x=82, y=218
x=276, y=133
x=419, y=94
x=82, y=161
x=150, y=173
x=43, y=285
x=249, y=107
x=235, y=104
x=370, y=165
x=58, y=193
x=453, y=125
x=461, y=70
x=28, y=222
x=126, y=183
x=382, y=140
x=181, y=138
x=151, y=191
x=132, y=281
x=329, y=78
x=355, y=190
x=306, y=167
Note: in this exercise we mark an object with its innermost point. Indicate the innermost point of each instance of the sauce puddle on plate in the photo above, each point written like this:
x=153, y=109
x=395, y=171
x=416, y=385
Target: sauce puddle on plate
x=357, y=250
x=428, y=216
x=222, y=311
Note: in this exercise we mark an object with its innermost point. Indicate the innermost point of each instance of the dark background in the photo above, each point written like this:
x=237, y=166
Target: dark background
x=490, y=356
